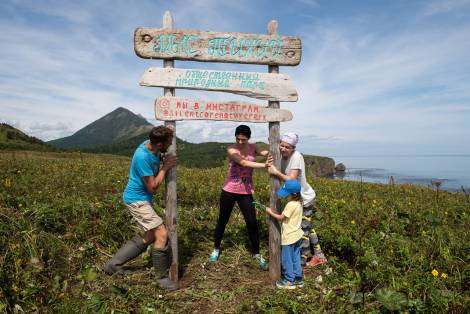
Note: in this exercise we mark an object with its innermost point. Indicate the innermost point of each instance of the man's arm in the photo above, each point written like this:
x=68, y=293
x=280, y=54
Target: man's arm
x=153, y=182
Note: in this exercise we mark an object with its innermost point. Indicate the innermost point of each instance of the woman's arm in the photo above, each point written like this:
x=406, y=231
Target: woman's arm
x=293, y=175
x=235, y=156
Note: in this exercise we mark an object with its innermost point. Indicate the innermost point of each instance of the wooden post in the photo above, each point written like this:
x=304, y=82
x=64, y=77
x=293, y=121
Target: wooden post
x=274, y=183
x=171, y=214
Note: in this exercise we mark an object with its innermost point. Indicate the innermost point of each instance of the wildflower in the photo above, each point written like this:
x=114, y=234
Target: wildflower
x=353, y=222
x=444, y=276
x=435, y=273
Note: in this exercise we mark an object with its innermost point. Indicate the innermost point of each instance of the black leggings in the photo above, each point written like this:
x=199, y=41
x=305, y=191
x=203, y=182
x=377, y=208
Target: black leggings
x=245, y=202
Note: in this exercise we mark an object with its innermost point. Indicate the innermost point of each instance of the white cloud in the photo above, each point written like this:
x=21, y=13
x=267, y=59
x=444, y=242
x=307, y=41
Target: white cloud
x=438, y=6
x=363, y=83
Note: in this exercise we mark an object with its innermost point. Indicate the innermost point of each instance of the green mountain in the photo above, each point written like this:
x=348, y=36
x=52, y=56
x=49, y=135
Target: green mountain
x=13, y=139
x=118, y=125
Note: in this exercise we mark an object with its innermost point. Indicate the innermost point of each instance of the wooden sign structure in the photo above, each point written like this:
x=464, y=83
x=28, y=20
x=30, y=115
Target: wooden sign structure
x=273, y=50
x=256, y=85
x=176, y=108
x=186, y=44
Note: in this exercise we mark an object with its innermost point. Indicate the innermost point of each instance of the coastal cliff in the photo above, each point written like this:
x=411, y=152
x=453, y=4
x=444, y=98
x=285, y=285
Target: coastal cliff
x=319, y=166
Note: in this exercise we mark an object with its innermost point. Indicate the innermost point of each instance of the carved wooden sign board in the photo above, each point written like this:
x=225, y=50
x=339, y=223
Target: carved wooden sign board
x=177, y=108
x=181, y=44
x=265, y=86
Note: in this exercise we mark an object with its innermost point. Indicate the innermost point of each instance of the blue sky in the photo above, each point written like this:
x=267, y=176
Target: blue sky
x=376, y=77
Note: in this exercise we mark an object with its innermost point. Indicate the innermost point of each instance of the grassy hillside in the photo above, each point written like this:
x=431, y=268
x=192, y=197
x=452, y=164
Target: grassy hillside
x=390, y=248
x=13, y=139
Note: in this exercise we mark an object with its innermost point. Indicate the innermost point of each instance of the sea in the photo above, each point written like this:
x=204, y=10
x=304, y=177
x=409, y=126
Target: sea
x=449, y=172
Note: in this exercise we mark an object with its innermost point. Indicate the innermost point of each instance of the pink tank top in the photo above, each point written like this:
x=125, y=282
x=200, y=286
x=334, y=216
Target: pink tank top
x=239, y=179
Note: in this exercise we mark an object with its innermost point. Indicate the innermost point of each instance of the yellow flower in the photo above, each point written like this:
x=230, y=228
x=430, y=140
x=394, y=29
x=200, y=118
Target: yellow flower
x=7, y=183
x=444, y=276
x=353, y=222
x=435, y=273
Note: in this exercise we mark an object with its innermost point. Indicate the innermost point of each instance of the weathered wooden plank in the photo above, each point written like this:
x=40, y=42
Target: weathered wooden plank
x=264, y=86
x=274, y=182
x=178, y=108
x=171, y=213
x=186, y=44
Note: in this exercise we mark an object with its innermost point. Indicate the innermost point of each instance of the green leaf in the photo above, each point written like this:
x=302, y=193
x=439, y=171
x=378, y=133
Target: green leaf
x=390, y=299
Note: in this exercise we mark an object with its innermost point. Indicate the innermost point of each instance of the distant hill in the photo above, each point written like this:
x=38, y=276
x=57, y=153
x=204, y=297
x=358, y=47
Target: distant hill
x=13, y=139
x=121, y=131
x=117, y=126
x=203, y=155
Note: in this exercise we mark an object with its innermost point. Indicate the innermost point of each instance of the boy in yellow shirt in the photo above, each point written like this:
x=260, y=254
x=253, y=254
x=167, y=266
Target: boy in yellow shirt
x=291, y=235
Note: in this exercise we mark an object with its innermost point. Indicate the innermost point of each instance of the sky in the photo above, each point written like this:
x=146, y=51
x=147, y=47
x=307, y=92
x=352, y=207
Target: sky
x=376, y=77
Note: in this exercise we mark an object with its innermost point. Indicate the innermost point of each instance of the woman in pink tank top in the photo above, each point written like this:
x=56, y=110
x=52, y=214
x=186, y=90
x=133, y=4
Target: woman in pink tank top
x=238, y=187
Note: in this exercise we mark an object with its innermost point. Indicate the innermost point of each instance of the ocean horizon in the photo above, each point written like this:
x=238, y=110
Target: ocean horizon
x=452, y=171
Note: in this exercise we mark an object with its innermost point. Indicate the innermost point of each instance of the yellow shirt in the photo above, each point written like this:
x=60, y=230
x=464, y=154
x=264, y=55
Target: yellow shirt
x=290, y=228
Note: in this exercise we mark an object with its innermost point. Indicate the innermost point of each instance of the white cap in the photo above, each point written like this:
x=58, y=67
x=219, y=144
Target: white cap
x=290, y=138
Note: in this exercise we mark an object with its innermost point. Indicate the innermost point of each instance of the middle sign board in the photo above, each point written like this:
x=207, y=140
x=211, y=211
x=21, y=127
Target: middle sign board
x=265, y=86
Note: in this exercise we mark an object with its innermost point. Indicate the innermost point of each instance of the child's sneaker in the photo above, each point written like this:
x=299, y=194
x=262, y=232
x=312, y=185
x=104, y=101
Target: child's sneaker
x=317, y=260
x=214, y=257
x=299, y=283
x=284, y=284
x=262, y=263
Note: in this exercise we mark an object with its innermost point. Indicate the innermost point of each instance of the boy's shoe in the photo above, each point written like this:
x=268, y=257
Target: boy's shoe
x=317, y=260
x=214, y=257
x=299, y=283
x=262, y=263
x=284, y=284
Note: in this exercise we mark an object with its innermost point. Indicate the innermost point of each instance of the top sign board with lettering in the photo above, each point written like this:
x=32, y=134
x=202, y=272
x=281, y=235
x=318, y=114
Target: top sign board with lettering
x=160, y=43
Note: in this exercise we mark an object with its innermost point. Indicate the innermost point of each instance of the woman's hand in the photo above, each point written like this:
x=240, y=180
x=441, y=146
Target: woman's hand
x=270, y=160
x=273, y=170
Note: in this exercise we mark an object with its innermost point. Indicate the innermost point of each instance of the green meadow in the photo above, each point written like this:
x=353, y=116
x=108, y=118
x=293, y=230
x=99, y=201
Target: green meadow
x=391, y=248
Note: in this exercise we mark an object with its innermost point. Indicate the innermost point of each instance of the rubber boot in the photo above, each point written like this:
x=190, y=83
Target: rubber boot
x=161, y=260
x=130, y=250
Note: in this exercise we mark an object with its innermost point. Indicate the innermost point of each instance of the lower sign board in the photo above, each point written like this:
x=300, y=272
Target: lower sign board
x=177, y=108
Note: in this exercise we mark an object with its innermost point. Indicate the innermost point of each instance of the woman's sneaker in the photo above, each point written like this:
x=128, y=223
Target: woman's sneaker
x=262, y=263
x=214, y=257
x=284, y=284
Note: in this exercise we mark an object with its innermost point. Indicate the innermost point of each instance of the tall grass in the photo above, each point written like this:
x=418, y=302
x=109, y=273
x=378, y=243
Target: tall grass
x=390, y=247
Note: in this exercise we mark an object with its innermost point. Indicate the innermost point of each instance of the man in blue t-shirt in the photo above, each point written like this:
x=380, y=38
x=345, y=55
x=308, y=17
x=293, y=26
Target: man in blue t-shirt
x=145, y=176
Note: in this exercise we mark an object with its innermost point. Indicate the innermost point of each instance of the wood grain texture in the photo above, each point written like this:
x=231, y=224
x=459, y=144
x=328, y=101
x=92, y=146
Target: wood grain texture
x=195, y=45
x=171, y=213
x=274, y=182
x=263, y=86
x=179, y=108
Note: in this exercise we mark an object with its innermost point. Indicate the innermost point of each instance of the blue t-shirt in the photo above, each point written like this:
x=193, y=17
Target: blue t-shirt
x=144, y=164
